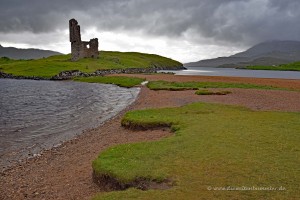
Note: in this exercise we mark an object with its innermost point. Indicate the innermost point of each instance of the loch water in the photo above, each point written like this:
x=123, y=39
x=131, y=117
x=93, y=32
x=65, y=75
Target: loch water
x=232, y=72
x=37, y=115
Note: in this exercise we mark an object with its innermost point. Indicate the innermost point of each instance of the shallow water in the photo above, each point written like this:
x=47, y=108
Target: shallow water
x=38, y=115
x=212, y=71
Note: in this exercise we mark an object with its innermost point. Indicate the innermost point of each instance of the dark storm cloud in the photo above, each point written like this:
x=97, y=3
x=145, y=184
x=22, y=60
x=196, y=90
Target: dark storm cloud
x=222, y=21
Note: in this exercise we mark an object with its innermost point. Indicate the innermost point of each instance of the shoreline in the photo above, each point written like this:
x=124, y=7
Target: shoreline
x=66, y=173
x=55, y=153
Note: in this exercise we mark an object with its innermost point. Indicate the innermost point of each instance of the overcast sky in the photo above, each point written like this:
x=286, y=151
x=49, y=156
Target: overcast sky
x=185, y=30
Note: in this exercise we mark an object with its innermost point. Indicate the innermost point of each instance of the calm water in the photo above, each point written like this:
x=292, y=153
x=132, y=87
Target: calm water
x=38, y=115
x=210, y=71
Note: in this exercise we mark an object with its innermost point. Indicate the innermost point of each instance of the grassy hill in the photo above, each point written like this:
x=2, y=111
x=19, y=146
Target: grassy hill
x=51, y=66
x=16, y=53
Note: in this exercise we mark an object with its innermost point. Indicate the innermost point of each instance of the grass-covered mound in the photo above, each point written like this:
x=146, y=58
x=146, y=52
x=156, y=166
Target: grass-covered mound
x=48, y=67
x=165, y=85
x=215, y=147
x=6, y=60
x=121, y=81
x=285, y=67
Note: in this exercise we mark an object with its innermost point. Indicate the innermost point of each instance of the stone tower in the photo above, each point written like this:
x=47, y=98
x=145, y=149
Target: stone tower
x=81, y=49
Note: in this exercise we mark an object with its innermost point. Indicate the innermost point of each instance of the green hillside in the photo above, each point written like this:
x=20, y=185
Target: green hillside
x=51, y=66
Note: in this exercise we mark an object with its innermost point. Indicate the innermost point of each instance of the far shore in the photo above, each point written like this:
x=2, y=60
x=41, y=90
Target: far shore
x=66, y=172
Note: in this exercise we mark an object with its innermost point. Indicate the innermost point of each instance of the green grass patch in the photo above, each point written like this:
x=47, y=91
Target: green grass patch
x=214, y=146
x=51, y=66
x=208, y=92
x=121, y=81
x=6, y=60
x=177, y=86
x=285, y=67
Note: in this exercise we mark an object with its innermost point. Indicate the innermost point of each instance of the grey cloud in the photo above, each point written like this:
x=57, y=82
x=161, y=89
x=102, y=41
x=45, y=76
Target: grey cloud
x=222, y=21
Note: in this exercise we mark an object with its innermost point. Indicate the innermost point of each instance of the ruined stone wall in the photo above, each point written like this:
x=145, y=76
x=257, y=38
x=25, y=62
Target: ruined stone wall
x=81, y=49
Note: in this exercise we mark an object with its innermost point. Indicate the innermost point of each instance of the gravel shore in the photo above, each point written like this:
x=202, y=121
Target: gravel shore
x=66, y=173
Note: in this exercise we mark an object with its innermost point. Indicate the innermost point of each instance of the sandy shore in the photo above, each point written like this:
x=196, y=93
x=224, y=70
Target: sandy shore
x=66, y=172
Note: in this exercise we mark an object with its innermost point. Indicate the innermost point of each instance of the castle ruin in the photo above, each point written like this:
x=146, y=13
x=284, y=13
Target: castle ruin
x=81, y=49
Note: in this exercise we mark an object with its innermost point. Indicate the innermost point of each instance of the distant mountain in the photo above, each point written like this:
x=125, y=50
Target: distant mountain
x=215, y=62
x=275, y=48
x=15, y=53
x=266, y=53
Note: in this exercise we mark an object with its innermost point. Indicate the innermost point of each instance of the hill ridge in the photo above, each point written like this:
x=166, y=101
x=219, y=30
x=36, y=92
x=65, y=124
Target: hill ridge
x=273, y=52
x=26, y=53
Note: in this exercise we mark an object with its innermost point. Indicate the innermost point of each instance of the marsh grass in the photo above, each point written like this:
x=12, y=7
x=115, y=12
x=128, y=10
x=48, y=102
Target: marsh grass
x=213, y=146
